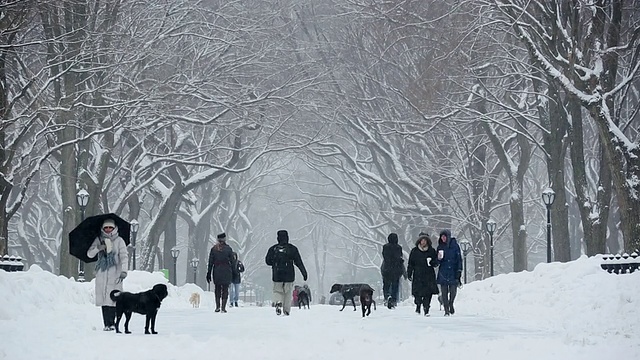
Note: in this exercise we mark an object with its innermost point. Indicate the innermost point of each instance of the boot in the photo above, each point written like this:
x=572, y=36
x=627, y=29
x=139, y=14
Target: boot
x=217, y=304
x=111, y=318
x=278, y=308
x=451, y=310
x=417, y=308
x=426, y=310
x=105, y=317
x=235, y=304
x=224, y=305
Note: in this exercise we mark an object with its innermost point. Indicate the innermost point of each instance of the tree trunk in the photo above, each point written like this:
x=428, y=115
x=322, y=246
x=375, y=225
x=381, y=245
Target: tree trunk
x=556, y=148
x=170, y=240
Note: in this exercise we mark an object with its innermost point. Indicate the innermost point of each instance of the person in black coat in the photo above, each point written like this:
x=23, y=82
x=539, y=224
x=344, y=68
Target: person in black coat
x=423, y=260
x=450, y=258
x=281, y=257
x=237, y=268
x=220, y=266
x=392, y=269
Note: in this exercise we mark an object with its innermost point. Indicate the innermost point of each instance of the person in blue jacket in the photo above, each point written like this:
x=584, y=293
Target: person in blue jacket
x=450, y=258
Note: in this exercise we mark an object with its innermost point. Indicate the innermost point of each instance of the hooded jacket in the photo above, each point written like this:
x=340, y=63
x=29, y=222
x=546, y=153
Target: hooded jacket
x=422, y=272
x=451, y=263
x=281, y=257
x=392, y=261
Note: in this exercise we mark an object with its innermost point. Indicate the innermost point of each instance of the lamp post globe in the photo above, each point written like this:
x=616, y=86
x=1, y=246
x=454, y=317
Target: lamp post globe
x=83, y=198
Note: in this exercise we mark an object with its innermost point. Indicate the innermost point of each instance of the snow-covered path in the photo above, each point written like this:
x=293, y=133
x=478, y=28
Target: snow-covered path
x=322, y=332
x=557, y=311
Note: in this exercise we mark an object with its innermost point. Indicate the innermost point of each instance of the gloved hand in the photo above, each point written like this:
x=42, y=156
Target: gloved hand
x=208, y=277
x=459, y=283
x=122, y=276
x=304, y=277
x=409, y=278
x=102, y=247
x=458, y=278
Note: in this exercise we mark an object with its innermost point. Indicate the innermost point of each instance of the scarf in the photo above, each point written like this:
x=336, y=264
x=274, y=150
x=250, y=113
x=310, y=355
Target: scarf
x=423, y=249
x=107, y=259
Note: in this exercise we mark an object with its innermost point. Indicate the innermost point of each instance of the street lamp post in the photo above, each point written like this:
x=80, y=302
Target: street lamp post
x=548, y=196
x=194, y=265
x=466, y=247
x=82, y=198
x=491, y=228
x=135, y=225
x=174, y=254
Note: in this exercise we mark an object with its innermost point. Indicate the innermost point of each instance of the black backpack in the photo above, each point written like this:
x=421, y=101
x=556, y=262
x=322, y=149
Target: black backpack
x=281, y=258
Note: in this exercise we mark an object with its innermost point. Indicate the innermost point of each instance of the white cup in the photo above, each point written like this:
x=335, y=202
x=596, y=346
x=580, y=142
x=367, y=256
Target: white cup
x=428, y=261
x=440, y=254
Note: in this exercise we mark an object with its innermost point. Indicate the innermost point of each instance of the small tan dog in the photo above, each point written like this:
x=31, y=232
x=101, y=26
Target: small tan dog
x=195, y=300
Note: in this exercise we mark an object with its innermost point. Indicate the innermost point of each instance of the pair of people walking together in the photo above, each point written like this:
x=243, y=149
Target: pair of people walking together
x=423, y=261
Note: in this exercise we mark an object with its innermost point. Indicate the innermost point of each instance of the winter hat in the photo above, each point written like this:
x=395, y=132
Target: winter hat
x=222, y=237
x=283, y=236
x=108, y=222
x=426, y=237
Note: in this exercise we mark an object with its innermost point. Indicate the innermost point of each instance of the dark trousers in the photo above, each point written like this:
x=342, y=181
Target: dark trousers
x=448, y=296
x=109, y=315
x=222, y=294
x=390, y=288
x=425, y=301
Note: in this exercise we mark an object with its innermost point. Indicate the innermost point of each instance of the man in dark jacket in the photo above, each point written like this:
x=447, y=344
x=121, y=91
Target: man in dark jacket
x=450, y=259
x=220, y=260
x=281, y=257
x=392, y=269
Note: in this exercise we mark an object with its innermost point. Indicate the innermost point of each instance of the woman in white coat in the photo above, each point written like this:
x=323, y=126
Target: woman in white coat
x=111, y=269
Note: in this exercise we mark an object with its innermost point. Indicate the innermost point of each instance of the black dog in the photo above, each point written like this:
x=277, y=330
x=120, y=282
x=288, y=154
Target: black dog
x=303, y=300
x=145, y=303
x=366, y=299
x=349, y=292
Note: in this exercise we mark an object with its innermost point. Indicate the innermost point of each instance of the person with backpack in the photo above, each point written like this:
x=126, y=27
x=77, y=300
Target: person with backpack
x=281, y=257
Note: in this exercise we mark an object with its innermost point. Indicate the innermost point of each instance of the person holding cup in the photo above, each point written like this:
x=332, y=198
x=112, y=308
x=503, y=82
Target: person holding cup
x=423, y=260
x=450, y=258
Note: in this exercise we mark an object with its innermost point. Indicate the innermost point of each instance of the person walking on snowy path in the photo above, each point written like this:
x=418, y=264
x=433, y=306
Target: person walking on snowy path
x=281, y=257
x=220, y=271
x=111, y=269
x=421, y=272
x=450, y=258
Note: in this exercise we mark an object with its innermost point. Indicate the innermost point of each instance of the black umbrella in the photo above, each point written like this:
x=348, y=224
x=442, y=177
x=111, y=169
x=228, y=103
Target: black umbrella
x=81, y=238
